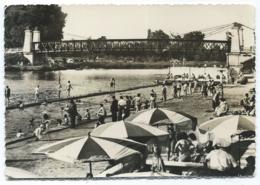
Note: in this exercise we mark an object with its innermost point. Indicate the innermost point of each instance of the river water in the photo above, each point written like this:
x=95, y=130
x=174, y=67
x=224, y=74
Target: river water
x=22, y=84
x=85, y=81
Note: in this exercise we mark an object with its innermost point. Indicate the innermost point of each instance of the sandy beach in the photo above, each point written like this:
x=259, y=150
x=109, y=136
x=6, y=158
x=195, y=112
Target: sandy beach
x=19, y=154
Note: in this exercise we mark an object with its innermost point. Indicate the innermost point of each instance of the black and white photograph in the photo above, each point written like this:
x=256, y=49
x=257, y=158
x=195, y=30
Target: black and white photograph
x=129, y=91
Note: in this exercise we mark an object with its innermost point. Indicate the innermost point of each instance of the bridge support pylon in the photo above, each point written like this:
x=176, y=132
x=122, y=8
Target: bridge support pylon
x=29, y=38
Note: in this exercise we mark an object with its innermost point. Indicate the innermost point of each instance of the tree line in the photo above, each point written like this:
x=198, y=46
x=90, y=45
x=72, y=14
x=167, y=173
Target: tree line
x=49, y=19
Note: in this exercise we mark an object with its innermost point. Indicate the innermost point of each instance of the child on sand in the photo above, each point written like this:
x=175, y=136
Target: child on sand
x=66, y=120
x=38, y=132
x=19, y=134
x=87, y=114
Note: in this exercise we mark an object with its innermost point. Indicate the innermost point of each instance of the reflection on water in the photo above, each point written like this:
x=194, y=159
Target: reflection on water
x=16, y=75
x=83, y=81
x=49, y=76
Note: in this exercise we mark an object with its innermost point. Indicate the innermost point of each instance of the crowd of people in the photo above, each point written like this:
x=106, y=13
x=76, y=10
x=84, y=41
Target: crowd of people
x=248, y=102
x=217, y=159
x=181, y=147
x=121, y=109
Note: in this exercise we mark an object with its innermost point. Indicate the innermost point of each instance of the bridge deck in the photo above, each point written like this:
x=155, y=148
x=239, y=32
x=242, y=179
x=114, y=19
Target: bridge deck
x=159, y=46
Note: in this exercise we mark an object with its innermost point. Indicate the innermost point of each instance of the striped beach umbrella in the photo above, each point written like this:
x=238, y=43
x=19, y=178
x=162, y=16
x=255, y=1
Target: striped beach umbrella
x=92, y=149
x=159, y=116
x=223, y=128
x=124, y=129
x=229, y=124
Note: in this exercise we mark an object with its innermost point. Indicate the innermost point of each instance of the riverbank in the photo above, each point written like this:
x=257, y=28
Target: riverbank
x=19, y=154
x=113, y=64
x=91, y=65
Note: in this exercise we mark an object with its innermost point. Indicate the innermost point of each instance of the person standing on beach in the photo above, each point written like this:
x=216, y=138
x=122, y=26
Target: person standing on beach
x=59, y=88
x=101, y=114
x=185, y=88
x=152, y=101
x=204, y=89
x=190, y=87
x=155, y=96
x=121, y=108
x=69, y=88
x=127, y=107
x=7, y=94
x=171, y=140
x=36, y=94
x=195, y=85
x=72, y=111
x=179, y=89
x=174, y=86
x=164, y=92
x=114, y=108
x=137, y=102
x=215, y=99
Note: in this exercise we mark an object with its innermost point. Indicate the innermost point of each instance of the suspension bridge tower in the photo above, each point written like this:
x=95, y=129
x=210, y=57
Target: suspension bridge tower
x=30, y=37
x=237, y=53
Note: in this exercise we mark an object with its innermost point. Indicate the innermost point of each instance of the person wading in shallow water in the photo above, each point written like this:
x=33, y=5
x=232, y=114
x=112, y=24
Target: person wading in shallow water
x=36, y=93
x=113, y=85
x=7, y=94
x=69, y=88
x=59, y=88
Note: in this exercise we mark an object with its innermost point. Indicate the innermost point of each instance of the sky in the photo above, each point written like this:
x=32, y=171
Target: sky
x=133, y=21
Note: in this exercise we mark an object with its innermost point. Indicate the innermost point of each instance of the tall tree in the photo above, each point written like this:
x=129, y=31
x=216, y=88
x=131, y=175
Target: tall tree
x=158, y=34
x=161, y=45
x=194, y=35
x=49, y=19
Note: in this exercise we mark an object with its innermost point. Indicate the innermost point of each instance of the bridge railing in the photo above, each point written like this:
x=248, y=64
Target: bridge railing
x=156, y=46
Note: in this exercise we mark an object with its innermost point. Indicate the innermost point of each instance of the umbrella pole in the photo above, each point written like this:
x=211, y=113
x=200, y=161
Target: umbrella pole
x=90, y=167
x=239, y=161
x=89, y=175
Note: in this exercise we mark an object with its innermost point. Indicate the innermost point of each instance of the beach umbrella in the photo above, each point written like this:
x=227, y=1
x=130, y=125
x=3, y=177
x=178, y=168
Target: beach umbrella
x=52, y=147
x=221, y=129
x=159, y=116
x=89, y=148
x=124, y=129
